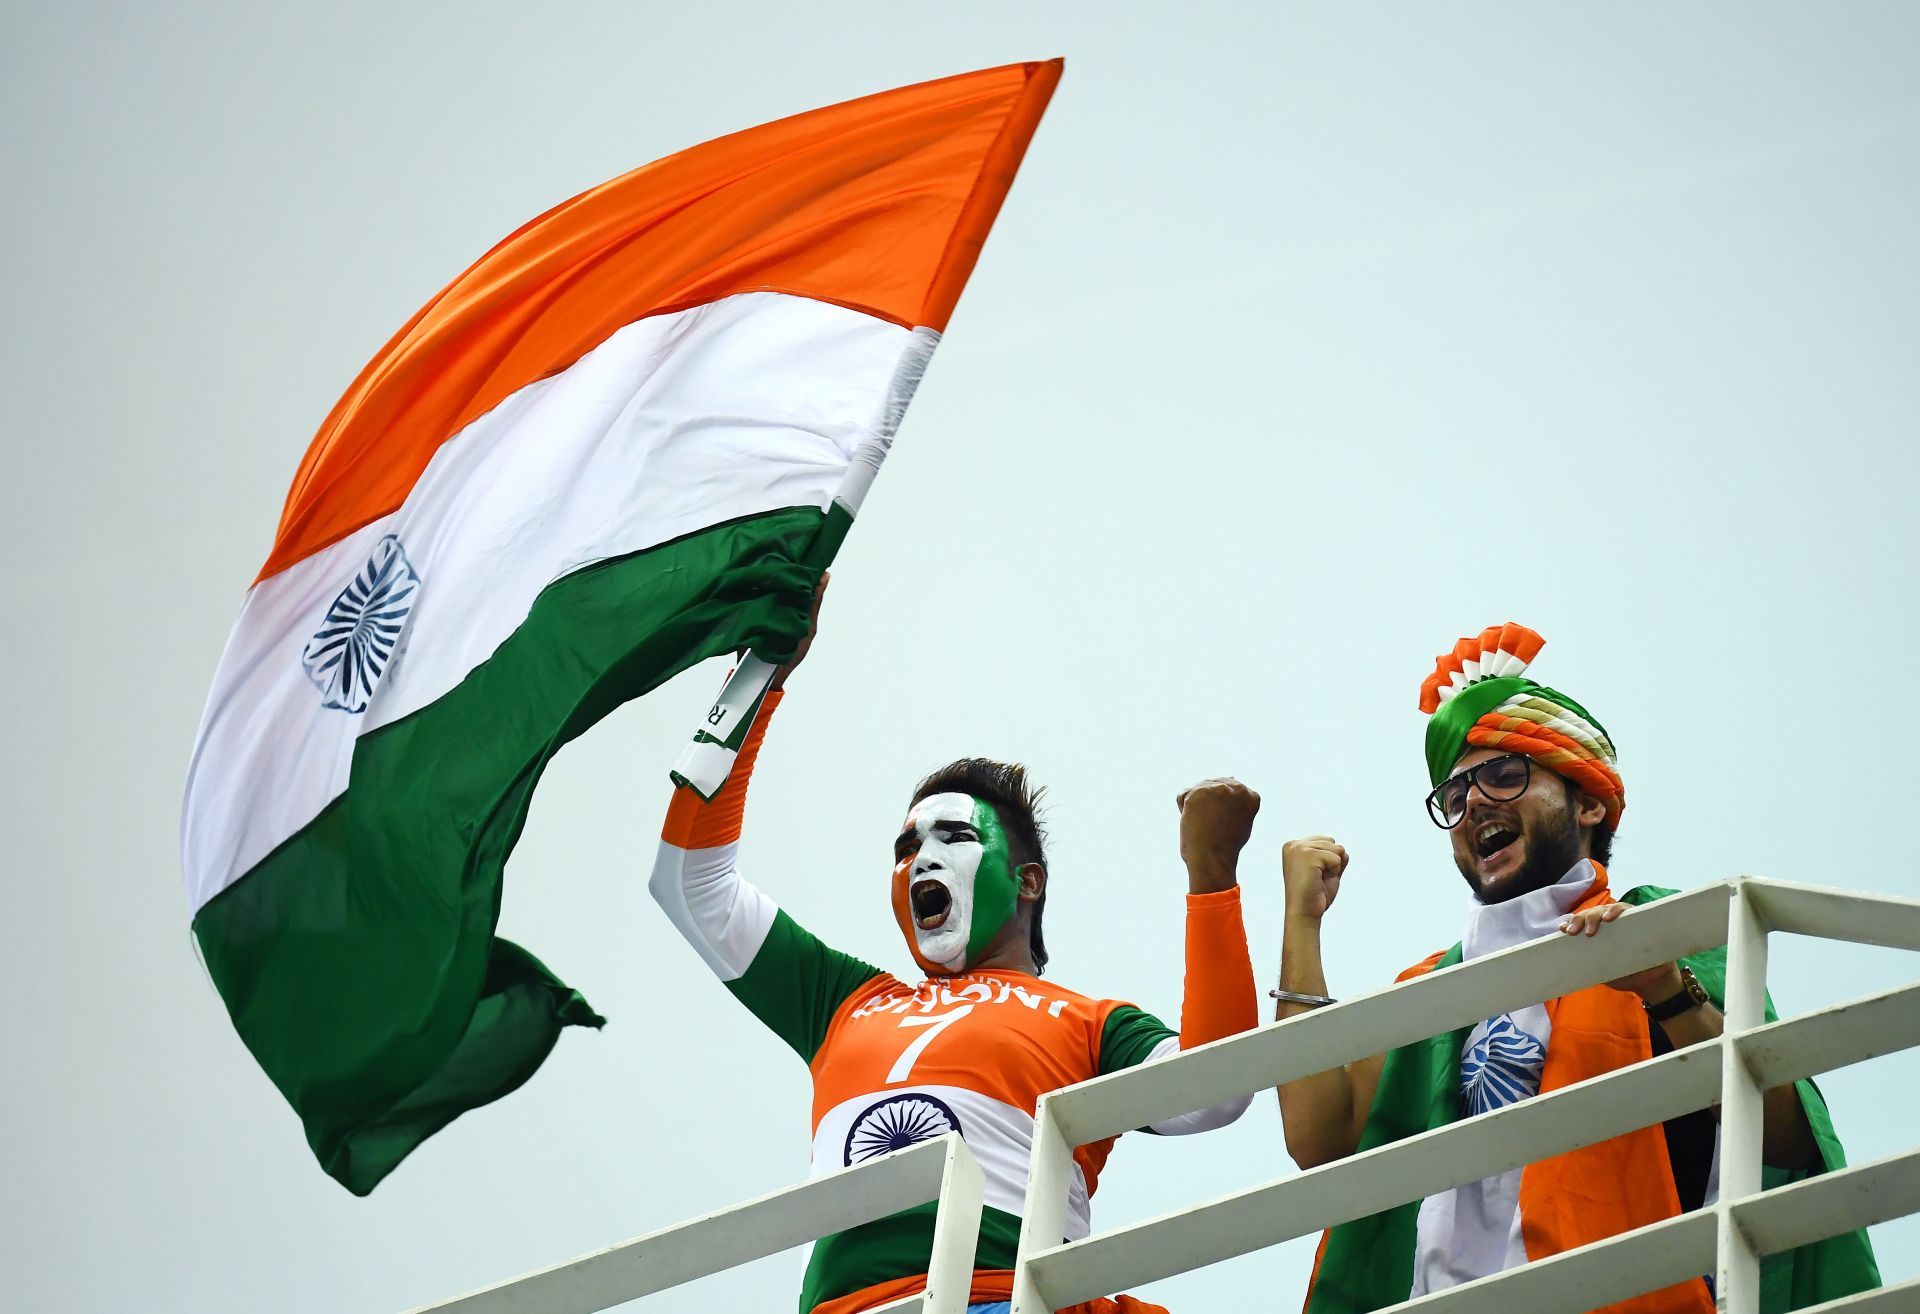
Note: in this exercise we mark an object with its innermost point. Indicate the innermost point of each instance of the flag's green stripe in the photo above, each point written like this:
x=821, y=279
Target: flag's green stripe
x=897, y=1246
x=358, y=960
x=1368, y=1263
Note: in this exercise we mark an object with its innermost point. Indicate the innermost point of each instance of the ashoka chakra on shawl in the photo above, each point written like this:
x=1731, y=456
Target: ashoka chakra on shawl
x=356, y=642
x=1502, y=1068
x=897, y=1122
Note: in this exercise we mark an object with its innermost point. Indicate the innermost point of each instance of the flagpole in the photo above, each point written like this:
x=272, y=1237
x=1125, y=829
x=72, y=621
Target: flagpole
x=707, y=761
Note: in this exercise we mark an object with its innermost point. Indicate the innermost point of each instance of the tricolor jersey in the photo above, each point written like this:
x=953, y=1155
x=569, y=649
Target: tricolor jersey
x=895, y=1063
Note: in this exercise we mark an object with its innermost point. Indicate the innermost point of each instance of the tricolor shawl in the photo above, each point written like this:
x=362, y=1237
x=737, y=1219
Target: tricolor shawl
x=1584, y=1195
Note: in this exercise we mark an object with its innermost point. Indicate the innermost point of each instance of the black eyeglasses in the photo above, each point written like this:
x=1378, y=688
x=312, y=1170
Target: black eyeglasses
x=1501, y=779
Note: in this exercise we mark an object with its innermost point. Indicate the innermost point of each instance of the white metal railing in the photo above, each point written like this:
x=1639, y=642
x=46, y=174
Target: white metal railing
x=1728, y=1237
x=943, y=1170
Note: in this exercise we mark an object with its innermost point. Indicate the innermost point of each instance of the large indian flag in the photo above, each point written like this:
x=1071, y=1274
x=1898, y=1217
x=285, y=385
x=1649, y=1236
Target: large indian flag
x=622, y=442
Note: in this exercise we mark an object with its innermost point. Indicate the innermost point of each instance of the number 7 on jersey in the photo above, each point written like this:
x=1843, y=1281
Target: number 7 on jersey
x=934, y=1026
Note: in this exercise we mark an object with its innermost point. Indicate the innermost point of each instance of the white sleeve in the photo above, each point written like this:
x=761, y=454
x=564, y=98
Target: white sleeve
x=723, y=917
x=1200, y=1120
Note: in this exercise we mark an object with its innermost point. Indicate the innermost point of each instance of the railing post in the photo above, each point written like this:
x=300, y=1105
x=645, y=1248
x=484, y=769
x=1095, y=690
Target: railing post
x=1737, y=1289
x=956, y=1231
x=1043, y=1218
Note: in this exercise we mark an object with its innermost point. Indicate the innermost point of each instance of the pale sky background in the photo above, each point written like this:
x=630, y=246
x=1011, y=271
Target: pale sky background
x=1311, y=337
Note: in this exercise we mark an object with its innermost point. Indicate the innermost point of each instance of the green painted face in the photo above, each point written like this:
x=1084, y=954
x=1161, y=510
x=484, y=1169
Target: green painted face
x=996, y=890
x=954, y=883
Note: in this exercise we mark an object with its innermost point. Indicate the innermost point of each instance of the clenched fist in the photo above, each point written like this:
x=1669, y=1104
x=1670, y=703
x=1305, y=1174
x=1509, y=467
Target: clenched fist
x=1216, y=820
x=806, y=640
x=1311, y=868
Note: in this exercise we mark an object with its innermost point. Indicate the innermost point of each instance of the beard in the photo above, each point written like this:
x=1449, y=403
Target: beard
x=1551, y=853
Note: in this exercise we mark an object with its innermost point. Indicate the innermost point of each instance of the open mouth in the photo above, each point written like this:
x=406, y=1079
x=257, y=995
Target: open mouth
x=931, y=903
x=1492, y=837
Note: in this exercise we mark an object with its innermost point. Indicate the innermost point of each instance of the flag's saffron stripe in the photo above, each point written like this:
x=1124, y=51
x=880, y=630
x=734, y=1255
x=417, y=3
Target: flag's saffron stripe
x=879, y=204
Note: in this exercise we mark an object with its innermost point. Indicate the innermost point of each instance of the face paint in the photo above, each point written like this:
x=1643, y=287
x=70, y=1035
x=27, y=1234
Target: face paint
x=954, y=887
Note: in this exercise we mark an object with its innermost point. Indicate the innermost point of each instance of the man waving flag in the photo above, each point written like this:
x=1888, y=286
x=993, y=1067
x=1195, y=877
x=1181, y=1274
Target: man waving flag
x=626, y=440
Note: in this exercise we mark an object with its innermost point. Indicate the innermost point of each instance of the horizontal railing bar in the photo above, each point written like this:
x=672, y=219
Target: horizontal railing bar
x=1649, y=1258
x=1832, y=1203
x=1386, y=1019
x=1901, y=1299
x=1881, y=919
x=719, y=1241
x=913, y=1304
x=1830, y=1038
x=1573, y=1116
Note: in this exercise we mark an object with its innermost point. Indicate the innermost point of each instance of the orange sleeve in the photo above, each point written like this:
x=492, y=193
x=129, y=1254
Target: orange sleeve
x=1220, y=1000
x=692, y=824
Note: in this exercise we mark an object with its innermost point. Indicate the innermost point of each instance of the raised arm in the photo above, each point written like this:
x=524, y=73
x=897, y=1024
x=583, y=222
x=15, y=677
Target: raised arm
x=1690, y=1017
x=790, y=980
x=1324, y=1114
x=1216, y=819
x=696, y=878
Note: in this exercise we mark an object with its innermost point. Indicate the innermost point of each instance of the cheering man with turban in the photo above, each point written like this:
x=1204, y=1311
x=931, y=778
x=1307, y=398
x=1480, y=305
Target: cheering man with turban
x=1526, y=788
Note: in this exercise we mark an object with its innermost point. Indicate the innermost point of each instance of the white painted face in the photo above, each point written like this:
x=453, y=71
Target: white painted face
x=941, y=846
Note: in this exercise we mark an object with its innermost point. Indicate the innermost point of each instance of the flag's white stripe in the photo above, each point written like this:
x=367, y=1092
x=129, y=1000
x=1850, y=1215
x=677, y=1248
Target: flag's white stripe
x=1000, y=1136
x=674, y=424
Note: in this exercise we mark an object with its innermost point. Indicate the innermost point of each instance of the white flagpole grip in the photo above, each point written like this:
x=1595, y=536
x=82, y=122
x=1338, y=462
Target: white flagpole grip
x=706, y=762
x=743, y=692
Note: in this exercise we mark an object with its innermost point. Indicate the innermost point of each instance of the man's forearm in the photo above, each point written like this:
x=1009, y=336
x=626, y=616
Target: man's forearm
x=1786, y=1137
x=1786, y=1141
x=1208, y=875
x=695, y=880
x=1317, y=1111
x=1220, y=997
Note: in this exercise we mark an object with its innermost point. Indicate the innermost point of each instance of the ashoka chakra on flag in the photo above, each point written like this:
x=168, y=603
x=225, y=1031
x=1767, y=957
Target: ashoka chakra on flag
x=362, y=629
x=626, y=440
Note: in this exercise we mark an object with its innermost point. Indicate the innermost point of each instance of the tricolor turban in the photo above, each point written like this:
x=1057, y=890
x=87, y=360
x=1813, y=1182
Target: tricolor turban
x=1479, y=697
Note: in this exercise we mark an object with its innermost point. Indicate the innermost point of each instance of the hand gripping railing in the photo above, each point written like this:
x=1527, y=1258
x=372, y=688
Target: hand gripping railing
x=1728, y=1237
x=942, y=1170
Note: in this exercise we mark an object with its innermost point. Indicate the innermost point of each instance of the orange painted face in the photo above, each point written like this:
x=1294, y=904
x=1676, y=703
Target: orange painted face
x=953, y=883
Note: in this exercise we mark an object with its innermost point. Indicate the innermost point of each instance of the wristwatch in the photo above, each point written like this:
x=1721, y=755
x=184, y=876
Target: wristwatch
x=1692, y=995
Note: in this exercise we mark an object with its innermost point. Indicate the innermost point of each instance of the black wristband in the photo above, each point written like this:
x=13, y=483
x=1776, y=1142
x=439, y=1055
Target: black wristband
x=1692, y=995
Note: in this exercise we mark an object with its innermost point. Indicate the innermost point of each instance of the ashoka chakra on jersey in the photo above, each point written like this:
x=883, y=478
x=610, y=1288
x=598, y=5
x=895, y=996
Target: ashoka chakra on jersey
x=897, y=1122
x=356, y=642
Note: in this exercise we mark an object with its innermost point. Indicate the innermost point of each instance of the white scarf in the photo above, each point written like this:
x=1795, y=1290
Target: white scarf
x=1473, y=1231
